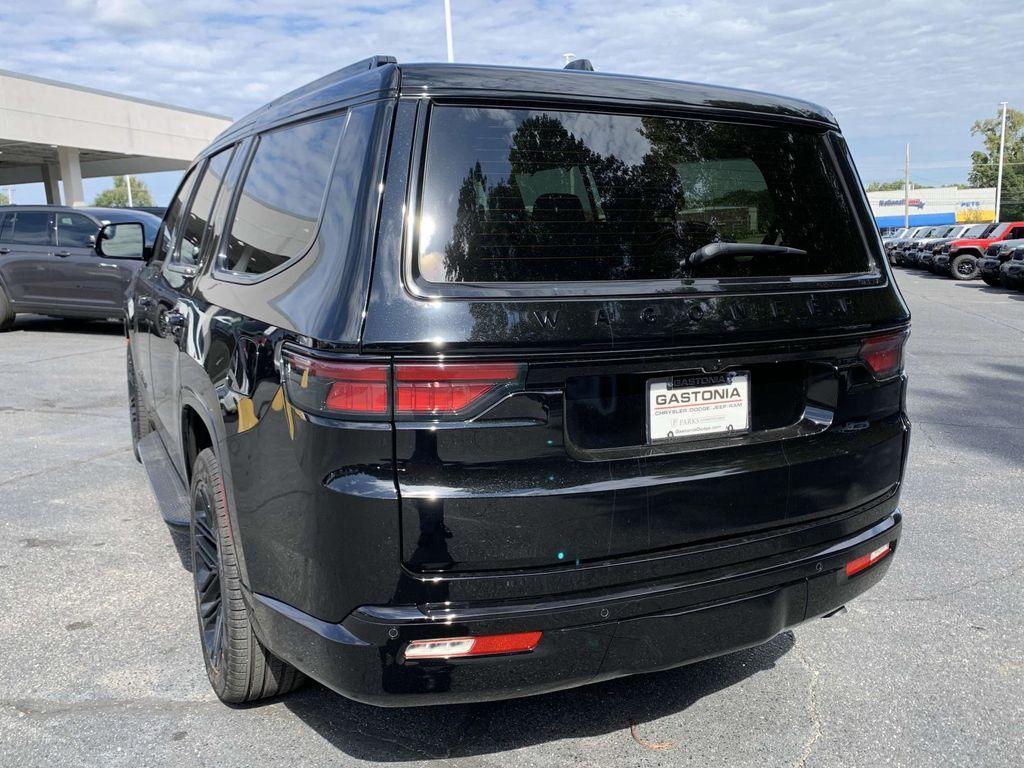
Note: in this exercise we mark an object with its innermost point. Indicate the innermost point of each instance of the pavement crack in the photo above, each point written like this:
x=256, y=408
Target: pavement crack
x=45, y=709
x=1013, y=572
x=46, y=470
x=812, y=709
x=70, y=354
x=59, y=412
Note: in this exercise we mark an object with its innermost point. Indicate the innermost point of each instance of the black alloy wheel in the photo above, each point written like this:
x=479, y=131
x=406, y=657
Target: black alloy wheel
x=206, y=572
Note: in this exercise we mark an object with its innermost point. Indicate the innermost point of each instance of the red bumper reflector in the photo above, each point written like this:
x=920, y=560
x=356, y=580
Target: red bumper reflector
x=485, y=645
x=866, y=561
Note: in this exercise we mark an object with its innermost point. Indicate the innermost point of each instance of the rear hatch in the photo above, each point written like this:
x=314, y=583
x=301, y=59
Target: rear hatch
x=618, y=335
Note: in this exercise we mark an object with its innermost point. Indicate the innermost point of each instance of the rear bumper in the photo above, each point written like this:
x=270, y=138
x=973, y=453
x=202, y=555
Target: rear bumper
x=587, y=638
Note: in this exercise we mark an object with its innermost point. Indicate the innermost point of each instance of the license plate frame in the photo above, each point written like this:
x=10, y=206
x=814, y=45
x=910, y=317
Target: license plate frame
x=708, y=422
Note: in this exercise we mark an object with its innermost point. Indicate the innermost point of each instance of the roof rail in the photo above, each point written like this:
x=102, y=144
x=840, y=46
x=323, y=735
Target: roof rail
x=364, y=65
x=583, y=65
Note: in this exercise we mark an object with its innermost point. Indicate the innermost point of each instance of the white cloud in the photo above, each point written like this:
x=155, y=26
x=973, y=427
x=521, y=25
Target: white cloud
x=891, y=70
x=116, y=14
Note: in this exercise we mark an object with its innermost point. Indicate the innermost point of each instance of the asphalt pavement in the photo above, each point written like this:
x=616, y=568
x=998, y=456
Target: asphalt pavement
x=99, y=652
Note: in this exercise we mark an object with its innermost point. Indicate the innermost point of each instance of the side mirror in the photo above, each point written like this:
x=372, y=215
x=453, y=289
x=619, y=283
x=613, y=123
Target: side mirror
x=125, y=240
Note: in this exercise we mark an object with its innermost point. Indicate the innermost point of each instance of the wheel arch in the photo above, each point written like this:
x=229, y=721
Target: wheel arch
x=201, y=427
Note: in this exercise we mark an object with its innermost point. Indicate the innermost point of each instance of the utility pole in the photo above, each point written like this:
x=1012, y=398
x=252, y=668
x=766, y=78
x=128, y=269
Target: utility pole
x=906, y=189
x=999, y=177
x=448, y=29
x=128, y=186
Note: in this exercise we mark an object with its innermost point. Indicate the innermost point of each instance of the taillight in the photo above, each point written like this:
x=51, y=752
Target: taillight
x=864, y=562
x=336, y=387
x=483, y=645
x=450, y=389
x=883, y=355
x=375, y=390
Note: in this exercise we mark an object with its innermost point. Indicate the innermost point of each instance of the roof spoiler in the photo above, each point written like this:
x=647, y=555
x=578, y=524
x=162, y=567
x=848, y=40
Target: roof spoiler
x=364, y=65
x=583, y=65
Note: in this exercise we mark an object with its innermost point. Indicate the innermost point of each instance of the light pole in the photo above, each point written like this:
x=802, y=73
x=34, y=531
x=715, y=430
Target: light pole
x=906, y=190
x=999, y=176
x=128, y=188
x=448, y=29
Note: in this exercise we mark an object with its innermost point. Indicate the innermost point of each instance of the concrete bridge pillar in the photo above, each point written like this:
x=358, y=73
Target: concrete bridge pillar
x=71, y=175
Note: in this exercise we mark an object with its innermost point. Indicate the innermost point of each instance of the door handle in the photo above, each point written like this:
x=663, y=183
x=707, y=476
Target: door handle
x=4, y=251
x=63, y=254
x=108, y=265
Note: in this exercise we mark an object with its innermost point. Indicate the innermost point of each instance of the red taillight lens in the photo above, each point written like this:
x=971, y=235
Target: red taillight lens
x=450, y=389
x=866, y=561
x=883, y=355
x=421, y=390
x=336, y=387
x=485, y=645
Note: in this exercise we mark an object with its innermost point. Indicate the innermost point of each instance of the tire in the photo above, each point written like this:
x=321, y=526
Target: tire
x=964, y=267
x=137, y=411
x=992, y=280
x=6, y=312
x=239, y=667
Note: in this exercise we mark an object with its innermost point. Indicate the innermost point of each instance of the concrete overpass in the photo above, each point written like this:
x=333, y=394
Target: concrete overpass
x=52, y=131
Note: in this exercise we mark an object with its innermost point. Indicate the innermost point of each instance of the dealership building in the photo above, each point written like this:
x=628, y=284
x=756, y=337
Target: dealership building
x=58, y=134
x=934, y=205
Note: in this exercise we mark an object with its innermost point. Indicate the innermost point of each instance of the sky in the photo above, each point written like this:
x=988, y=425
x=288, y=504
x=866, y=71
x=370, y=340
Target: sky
x=898, y=71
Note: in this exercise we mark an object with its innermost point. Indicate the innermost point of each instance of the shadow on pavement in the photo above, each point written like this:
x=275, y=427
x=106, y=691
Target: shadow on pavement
x=398, y=735
x=42, y=324
x=179, y=537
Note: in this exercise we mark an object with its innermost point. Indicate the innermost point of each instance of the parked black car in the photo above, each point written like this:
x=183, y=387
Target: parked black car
x=1011, y=273
x=995, y=256
x=897, y=249
x=919, y=250
x=49, y=264
x=478, y=382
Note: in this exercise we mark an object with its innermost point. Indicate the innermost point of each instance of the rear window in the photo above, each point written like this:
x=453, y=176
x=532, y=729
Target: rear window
x=514, y=195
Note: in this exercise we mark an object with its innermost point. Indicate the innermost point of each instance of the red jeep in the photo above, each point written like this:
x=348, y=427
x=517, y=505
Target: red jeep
x=960, y=257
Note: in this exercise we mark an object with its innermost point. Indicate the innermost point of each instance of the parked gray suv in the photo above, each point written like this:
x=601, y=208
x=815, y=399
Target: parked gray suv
x=49, y=264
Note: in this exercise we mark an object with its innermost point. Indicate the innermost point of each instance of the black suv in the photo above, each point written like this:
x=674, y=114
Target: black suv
x=49, y=264
x=478, y=382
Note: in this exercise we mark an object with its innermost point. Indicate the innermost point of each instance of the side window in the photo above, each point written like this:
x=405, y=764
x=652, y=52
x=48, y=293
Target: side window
x=74, y=229
x=196, y=222
x=6, y=227
x=29, y=228
x=1015, y=234
x=279, y=206
x=218, y=219
x=163, y=248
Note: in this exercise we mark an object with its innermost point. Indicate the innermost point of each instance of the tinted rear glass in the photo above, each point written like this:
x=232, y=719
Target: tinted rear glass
x=28, y=228
x=515, y=195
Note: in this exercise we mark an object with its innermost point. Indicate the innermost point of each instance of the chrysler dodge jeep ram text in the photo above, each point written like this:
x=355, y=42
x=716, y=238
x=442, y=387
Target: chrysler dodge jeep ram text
x=478, y=382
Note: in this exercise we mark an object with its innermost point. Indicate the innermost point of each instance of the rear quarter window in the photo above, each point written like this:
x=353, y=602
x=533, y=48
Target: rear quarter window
x=281, y=197
x=528, y=196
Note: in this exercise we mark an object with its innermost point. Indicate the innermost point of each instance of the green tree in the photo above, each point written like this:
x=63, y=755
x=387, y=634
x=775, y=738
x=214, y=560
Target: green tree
x=4, y=200
x=117, y=196
x=985, y=164
x=886, y=186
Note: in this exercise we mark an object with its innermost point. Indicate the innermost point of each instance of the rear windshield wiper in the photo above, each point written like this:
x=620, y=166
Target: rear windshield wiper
x=712, y=251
